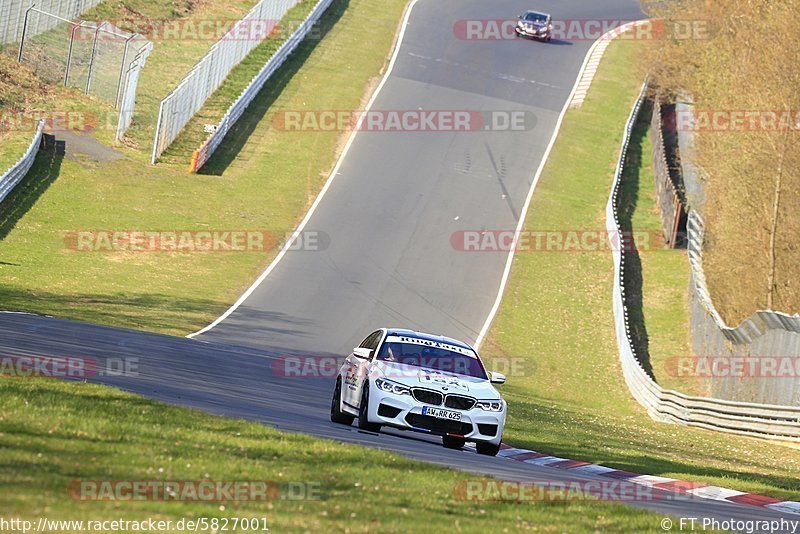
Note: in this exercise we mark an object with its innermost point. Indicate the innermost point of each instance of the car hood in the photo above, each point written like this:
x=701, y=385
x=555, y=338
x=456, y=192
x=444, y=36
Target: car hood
x=413, y=376
x=537, y=25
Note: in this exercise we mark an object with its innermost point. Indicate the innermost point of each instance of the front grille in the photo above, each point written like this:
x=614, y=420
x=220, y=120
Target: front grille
x=459, y=402
x=384, y=410
x=442, y=426
x=427, y=396
x=487, y=430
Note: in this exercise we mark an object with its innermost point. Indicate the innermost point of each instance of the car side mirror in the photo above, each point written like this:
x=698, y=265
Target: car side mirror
x=497, y=378
x=361, y=352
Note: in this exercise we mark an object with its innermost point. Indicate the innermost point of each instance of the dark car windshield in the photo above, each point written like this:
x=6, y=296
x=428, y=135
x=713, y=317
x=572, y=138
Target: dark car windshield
x=530, y=16
x=432, y=355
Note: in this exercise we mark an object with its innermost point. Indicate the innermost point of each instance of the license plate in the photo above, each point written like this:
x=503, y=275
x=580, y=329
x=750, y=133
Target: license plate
x=441, y=414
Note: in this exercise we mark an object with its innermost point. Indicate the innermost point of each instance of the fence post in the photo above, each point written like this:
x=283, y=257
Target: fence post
x=158, y=132
x=122, y=69
x=24, y=28
x=69, y=53
x=91, y=59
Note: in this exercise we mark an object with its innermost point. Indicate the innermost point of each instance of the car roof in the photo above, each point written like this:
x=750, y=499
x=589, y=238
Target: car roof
x=428, y=337
x=532, y=12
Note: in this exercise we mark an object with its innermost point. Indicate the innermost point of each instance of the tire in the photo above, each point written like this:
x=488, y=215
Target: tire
x=452, y=442
x=363, y=409
x=487, y=449
x=337, y=415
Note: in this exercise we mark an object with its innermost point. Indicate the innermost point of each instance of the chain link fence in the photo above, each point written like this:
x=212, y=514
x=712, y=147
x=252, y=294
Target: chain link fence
x=12, y=15
x=669, y=187
x=180, y=105
x=235, y=111
x=96, y=58
x=776, y=421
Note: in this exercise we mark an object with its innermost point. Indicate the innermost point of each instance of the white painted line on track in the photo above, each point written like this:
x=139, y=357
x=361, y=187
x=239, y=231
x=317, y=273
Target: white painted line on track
x=523, y=214
x=324, y=189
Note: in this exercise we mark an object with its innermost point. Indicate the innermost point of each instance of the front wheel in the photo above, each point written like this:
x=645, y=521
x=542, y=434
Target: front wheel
x=337, y=415
x=363, y=410
x=487, y=448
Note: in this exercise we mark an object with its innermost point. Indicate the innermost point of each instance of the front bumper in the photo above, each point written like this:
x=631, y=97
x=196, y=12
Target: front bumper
x=532, y=32
x=403, y=411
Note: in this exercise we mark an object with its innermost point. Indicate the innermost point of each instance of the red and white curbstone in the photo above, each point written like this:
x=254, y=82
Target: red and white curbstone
x=696, y=489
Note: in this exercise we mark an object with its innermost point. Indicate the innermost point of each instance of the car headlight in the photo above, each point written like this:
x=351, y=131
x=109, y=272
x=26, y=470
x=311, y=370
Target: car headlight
x=392, y=387
x=491, y=405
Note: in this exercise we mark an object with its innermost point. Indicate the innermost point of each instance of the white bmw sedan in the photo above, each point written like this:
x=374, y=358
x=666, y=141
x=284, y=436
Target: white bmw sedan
x=421, y=382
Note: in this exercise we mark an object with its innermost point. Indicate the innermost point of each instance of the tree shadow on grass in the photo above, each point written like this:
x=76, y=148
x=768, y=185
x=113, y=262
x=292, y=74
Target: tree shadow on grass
x=240, y=132
x=46, y=168
x=139, y=311
x=627, y=202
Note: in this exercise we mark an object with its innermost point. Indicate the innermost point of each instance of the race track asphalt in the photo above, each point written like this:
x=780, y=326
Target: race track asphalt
x=388, y=218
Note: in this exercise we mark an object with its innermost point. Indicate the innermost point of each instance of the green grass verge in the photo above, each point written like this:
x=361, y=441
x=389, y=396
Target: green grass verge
x=260, y=179
x=569, y=399
x=53, y=433
x=14, y=147
x=173, y=54
x=656, y=276
x=215, y=107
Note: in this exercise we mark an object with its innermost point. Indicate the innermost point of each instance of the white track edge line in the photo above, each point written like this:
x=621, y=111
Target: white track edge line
x=526, y=206
x=331, y=176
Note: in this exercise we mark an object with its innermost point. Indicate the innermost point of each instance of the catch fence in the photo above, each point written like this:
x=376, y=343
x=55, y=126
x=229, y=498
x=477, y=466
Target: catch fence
x=208, y=74
x=96, y=58
x=12, y=15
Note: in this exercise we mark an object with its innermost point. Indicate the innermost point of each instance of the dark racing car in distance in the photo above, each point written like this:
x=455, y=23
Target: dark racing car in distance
x=535, y=25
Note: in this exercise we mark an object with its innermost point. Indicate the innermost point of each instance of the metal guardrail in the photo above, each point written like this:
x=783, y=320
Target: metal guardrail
x=17, y=172
x=751, y=419
x=201, y=155
x=208, y=74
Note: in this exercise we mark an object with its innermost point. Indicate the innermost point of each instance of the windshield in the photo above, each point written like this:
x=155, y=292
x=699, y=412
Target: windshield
x=539, y=18
x=432, y=355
